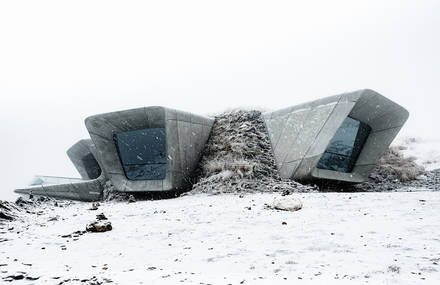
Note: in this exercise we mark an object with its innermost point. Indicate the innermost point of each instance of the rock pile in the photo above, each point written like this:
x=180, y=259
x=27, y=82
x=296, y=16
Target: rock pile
x=10, y=211
x=429, y=180
x=394, y=171
x=238, y=158
x=14, y=210
x=378, y=183
x=6, y=211
x=101, y=224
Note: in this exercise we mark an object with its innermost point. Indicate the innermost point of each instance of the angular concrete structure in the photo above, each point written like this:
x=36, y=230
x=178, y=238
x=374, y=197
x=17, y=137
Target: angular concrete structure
x=178, y=140
x=157, y=149
x=336, y=138
x=140, y=150
x=83, y=156
x=88, y=191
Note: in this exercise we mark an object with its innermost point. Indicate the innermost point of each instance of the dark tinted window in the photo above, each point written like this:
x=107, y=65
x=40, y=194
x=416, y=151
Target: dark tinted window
x=143, y=153
x=91, y=166
x=344, y=149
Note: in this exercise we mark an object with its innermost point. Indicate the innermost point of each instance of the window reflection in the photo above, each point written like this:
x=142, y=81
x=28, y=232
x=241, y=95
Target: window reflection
x=344, y=149
x=143, y=153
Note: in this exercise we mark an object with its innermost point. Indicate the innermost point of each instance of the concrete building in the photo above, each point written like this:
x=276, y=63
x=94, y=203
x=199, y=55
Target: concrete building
x=139, y=150
x=149, y=149
x=83, y=156
x=153, y=149
x=336, y=138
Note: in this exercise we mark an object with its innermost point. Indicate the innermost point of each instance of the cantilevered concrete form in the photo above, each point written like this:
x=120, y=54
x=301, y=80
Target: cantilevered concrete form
x=140, y=150
x=51, y=180
x=155, y=149
x=83, y=156
x=90, y=189
x=336, y=138
x=149, y=149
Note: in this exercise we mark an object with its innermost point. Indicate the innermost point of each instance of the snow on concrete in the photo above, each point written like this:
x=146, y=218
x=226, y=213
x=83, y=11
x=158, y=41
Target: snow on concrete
x=336, y=238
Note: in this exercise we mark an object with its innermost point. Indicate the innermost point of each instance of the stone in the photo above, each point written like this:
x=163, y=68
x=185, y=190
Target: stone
x=99, y=226
x=287, y=203
x=101, y=217
x=131, y=199
x=22, y=202
x=5, y=216
x=94, y=207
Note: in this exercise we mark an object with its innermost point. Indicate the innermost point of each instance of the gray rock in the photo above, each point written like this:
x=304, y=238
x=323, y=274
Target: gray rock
x=101, y=217
x=5, y=216
x=287, y=203
x=99, y=226
x=131, y=199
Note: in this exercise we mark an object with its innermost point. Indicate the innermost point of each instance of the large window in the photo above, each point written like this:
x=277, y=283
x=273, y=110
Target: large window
x=344, y=149
x=143, y=153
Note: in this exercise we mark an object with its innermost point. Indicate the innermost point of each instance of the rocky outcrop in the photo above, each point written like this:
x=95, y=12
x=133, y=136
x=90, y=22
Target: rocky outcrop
x=8, y=211
x=396, y=172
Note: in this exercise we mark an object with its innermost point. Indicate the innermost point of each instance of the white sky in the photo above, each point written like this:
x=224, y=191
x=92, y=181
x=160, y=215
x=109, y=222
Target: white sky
x=61, y=61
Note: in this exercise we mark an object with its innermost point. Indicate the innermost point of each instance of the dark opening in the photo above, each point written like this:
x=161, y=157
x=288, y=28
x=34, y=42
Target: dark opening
x=91, y=166
x=344, y=149
x=143, y=153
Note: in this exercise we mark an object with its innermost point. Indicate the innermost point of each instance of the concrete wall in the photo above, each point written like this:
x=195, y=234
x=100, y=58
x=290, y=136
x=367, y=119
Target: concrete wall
x=88, y=191
x=186, y=135
x=82, y=154
x=301, y=134
x=83, y=158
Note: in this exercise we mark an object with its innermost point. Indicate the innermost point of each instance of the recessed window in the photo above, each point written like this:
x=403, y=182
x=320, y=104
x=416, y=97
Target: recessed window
x=143, y=153
x=91, y=166
x=344, y=149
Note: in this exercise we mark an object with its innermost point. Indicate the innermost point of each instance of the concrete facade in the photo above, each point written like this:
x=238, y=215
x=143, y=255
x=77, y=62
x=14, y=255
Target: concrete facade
x=186, y=135
x=301, y=134
x=98, y=161
x=83, y=156
x=88, y=191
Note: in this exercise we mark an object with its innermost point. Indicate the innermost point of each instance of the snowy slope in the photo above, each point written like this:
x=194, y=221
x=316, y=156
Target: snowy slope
x=426, y=151
x=337, y=238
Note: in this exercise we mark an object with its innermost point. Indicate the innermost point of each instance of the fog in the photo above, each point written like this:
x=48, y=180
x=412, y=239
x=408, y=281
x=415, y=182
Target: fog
x=63, y=61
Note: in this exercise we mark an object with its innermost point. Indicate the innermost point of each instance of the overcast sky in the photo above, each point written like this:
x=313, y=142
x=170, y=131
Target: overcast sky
x=61, y=61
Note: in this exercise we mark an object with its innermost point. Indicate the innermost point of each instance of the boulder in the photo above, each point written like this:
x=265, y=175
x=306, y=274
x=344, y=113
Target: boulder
x=287, y=203
x=99, y=226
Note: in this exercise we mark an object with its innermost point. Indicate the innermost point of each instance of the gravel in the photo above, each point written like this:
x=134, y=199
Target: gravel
x=378, y=183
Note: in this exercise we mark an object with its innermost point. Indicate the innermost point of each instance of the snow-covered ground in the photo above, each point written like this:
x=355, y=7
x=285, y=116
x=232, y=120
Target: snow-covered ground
x=426, y=151
x=336, y=238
